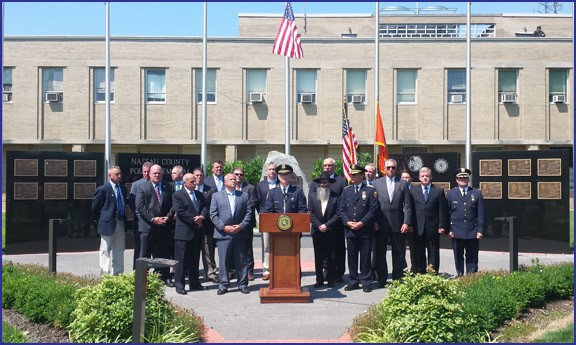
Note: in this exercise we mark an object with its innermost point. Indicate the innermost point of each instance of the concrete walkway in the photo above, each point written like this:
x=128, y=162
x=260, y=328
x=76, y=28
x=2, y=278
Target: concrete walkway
x=235, y=317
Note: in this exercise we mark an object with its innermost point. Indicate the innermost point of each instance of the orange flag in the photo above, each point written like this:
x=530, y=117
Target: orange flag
x=380, y=141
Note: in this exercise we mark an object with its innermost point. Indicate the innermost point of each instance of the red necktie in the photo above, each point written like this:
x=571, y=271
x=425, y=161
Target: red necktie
x=158, y=196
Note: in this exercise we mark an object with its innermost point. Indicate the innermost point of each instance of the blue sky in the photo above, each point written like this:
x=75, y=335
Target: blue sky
x=186, y=18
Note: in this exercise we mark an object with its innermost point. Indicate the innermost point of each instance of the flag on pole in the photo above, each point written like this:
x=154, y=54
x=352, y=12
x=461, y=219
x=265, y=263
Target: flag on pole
x=287, y=42
x=349, y=143
x=380, y=141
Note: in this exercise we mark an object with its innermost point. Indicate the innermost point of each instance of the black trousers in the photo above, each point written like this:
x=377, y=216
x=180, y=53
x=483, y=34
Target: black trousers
x=426, y=244
x=324, y=256
x=470, y=247
x=187, y=253
x=359, y=247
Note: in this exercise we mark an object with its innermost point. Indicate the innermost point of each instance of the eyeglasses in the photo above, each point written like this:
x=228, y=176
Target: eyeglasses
x=238, y=174
x=390, y=168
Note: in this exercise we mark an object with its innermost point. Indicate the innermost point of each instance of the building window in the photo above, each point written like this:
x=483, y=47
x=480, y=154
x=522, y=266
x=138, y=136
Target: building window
x=100, y=85
x=406, y=86
x=306, y=85
x=156, y=86
x=255, y=85
x=53, y=84
x=7, y=84
x=210, y=85
x=356, y=85
x=558, y=86
x=457, y=86
x=507, y=85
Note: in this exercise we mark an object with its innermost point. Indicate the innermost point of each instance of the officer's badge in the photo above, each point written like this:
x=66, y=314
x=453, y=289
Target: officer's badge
x=375, y=193
x=363, y=195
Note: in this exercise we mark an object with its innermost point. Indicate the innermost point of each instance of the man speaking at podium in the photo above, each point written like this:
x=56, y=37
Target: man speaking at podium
x=286, y=198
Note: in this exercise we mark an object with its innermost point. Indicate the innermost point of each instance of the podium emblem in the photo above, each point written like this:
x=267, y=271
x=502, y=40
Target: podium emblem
x=284, y=222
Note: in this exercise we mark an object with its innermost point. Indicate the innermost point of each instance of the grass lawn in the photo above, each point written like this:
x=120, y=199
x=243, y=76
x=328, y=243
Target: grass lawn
x=563, y=335
x=11, y=334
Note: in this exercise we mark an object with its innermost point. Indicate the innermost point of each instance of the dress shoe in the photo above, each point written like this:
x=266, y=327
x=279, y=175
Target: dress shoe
x=181, y=292
x=330, y=285
x=197, y=287
x=169, y=282
x=250, y=277
x=367, y=289
x=244, y=290
x=215, y=279
x=221, y=291
x=339, y=280
x=351, y=287
x=318, y=284
x=381, y=285
x=266, y=276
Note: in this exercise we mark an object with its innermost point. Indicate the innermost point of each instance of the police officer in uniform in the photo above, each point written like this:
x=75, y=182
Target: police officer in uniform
x=466, y=207
x=357, y=209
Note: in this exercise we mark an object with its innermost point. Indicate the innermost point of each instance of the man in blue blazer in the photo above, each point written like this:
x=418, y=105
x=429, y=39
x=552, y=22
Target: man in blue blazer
x=466, y=208
x=109, y=211
x=191, y=211
x=429, y=221
x=230, y=213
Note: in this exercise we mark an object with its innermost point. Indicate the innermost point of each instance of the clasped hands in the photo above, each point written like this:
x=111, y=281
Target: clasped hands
x=232, y=229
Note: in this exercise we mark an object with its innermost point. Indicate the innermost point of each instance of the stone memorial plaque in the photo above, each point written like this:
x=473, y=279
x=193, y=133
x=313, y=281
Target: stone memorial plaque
x=519, y=190
x=550, y=190
x=56, y=167
x=84, y=190
x=25, y=190
x=490, y=167
x=25, y=167
x=549, y=167
x=519, y=167
x=84, y=168
x=491, y=190
x=444, y=185
x=55, y=191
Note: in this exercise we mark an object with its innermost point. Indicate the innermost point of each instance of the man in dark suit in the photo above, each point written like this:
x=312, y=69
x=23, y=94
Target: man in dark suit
x=154, y=203
x=230, y=213
x=249, y=189
x=394, y=220
x=329, y=165
x=208, y=247
x=466, y=208
x=429, y=221
x=216, y=180
x=323, y=208
x=132, y=202
x=177, y=174
x=191, y=211
x=286, y=198
x=262, y=188
x=406, y=176
x=357, y=209
x=109, y=211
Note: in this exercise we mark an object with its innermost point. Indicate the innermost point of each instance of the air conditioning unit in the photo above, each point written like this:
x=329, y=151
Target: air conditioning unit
x=6, y=97
x=256, y=97
x=508, y=98
x=357, y=98
x=306, y=97
x=456, y=98
x=559, y=98
x=52, y=96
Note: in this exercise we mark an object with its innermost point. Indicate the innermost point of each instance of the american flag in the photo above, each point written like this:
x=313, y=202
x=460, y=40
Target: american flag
x=287, y=40
x=349, y=143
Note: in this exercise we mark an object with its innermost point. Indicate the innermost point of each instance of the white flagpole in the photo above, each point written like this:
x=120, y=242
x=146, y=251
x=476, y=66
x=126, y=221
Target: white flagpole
x=468, y=92
x=204, y=101
x=107, y=145
x=376, y=77
x=287, y=99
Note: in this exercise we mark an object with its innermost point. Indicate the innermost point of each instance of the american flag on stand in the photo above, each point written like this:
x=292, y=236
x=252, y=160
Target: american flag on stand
x=287, y=42
x=349, y=143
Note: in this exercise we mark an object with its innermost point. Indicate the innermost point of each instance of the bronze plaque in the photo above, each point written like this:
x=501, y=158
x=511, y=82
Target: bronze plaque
x=84, y=190
x=443, y=185
x=490, y=167
x=25, y=167
x=491, y=190
x=55, y=191
x=25, y=190
x=550, y=190
x=519, y=167
x=85, y=168
x=549, y=167
x=519, y=190
x=56, y=167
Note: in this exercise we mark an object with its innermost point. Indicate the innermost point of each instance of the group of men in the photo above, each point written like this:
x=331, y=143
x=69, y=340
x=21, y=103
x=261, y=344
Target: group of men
x=193, y=215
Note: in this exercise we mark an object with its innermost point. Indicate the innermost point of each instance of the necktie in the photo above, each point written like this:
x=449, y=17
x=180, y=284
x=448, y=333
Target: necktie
x=390, y=188
x=193, y=198
x=425, y=193
x=232, y=202
x=158, y=196
x=464, y=192
x=119, y=201
x=178, y=186
x=356, y=189
x=218, y=184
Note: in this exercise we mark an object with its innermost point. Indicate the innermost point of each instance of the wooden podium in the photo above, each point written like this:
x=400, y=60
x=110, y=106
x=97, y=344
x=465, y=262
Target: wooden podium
x=284, y=257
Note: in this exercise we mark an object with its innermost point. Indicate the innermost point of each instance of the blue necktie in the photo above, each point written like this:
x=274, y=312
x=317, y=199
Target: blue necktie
x=426, y=193
x=119, y=201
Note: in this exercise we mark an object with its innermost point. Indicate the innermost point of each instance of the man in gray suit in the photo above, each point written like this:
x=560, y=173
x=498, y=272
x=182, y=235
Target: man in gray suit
x=394, y=221
x=230, y=213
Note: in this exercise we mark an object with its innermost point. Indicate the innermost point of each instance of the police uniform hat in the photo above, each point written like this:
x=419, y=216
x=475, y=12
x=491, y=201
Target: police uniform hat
x=284, y=169
x=324, y=176
x=356, y=169
x=463, y=173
